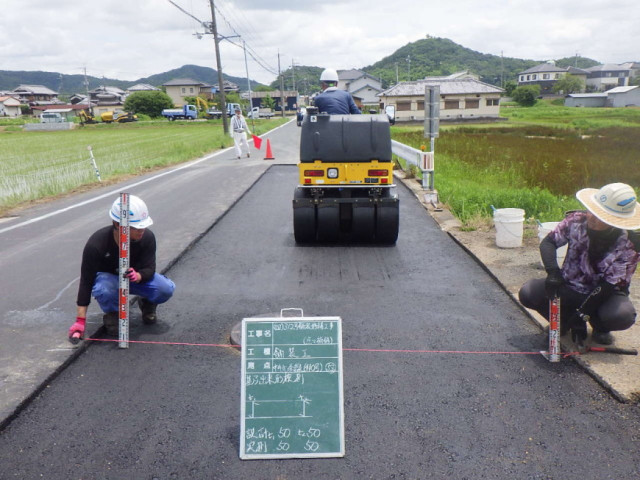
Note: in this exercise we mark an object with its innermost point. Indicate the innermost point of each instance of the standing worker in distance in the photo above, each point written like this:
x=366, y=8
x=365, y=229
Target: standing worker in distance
x=601, y=259
x=100, y=269
x=239, y=129
x=332, y=100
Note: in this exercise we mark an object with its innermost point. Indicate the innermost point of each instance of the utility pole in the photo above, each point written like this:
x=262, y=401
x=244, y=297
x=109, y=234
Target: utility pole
x=293, y=74
x=282, y=99
x=501, y=69
x=223, y=100
x=86, y=88
x=397, y=78
x=246, y=67
x=409, y=68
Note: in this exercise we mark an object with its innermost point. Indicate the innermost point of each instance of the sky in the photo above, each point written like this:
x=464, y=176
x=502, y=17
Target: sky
x=132, y=39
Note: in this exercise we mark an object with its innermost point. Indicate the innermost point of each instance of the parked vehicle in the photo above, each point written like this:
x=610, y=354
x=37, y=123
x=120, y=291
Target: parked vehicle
x=258, y=112
x=51, y=117
x=213, y=112
x=231, y=108
x=188, y=112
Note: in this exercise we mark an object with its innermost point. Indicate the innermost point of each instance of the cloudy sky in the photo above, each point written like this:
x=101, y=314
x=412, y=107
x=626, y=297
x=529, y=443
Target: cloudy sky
x=131, y=39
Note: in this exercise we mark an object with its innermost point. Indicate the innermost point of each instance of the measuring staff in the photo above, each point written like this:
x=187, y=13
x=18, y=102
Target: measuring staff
x=100, y=267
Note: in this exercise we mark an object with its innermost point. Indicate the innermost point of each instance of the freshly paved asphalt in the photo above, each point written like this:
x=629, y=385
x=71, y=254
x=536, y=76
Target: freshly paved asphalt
x=172, y=411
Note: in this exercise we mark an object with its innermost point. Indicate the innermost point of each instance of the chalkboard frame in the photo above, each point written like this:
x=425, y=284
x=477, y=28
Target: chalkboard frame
x=336, y=434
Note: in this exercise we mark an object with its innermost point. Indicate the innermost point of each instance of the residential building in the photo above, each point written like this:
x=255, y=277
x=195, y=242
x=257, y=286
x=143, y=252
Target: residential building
x=106, y=99
x=362, y=86
x=9, y=106
x=547, y=74
x=142, y=87
x=608, y=76
x=36, y=94
x=228, y=87
x=460, y=98
x=179, y=88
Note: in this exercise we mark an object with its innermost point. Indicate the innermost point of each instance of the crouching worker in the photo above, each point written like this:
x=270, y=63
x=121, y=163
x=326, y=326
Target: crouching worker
x=100, y=269
x=593, y=284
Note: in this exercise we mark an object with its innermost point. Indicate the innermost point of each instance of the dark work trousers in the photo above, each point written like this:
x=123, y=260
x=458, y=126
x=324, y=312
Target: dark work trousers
x=616, y=313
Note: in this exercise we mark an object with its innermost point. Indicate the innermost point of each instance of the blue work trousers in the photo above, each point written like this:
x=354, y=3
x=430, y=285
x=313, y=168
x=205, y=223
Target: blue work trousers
x=105, y=290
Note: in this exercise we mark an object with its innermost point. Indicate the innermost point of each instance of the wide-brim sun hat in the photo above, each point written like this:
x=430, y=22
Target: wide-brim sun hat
x=615, y=204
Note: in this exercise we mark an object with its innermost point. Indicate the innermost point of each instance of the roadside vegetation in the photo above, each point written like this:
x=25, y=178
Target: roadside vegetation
x=36, y=165
x=536, y=160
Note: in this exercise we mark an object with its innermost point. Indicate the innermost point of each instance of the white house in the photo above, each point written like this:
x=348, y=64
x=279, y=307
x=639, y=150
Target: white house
x=460, y=98
x=547, y=74
x=624, y=97
x=360, y=85
x=605, y=77
x=9, y=106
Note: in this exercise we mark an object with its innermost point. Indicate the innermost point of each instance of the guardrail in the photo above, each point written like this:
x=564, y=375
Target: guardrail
x=424, y=161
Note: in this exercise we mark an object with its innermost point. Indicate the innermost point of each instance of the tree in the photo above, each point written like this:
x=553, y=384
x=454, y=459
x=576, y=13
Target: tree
x=526, y=95
x=509, y=87
x=568, y=84
x=149, y=103
x=268, y=102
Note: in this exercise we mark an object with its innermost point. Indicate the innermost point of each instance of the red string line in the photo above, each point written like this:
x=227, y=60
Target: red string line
x=373, y=350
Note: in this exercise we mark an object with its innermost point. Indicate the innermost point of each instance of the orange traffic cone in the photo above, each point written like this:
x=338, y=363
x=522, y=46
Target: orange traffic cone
x=269, y=155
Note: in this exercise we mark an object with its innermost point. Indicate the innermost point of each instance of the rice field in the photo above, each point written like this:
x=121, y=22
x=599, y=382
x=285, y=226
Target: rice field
x=35, y=165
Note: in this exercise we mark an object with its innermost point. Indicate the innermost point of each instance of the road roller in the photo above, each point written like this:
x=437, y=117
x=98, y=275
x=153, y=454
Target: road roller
x=345, y=191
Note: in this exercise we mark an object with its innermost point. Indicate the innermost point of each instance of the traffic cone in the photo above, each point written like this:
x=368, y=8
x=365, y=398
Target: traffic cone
x=269, y=155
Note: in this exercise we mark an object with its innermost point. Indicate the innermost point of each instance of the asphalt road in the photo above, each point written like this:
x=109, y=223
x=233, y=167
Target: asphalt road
x=160, y=411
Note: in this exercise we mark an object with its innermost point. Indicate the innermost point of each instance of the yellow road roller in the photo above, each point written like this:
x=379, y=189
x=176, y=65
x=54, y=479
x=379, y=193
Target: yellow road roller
x=346, y=191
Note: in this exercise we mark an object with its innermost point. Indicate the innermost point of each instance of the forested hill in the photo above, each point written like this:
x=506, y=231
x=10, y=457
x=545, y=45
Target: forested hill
x=439, y=56
x=70, y=84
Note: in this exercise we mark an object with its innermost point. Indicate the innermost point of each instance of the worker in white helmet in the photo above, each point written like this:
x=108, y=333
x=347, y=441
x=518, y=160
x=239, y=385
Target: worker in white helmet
x=332, y=100
x=100, y=268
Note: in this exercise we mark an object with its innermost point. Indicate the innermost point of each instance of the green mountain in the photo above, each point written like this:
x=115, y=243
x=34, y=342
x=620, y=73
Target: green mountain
x=430, y=56
x=436, y=57
x=70, y=84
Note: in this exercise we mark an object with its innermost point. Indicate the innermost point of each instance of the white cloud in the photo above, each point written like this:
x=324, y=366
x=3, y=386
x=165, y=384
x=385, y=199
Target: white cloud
x=133, y=39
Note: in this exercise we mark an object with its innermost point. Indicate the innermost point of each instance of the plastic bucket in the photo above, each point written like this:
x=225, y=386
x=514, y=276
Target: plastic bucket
x=509, y=224
x=543, y=231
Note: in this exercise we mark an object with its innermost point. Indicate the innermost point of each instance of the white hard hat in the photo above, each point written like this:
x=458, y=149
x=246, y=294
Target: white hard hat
x=615, y=204
x=329, y=75
x=138, y=212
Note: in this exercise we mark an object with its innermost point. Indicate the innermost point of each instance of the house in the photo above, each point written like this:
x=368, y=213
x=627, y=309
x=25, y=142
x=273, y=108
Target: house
x=229, y=87
x=605, y=77
x=179, y=88
x=142, y=87
x=547, y=74
x=34, y=94
x=460, y=98
x=360, y=85
x=106, y=99
x=9, y=106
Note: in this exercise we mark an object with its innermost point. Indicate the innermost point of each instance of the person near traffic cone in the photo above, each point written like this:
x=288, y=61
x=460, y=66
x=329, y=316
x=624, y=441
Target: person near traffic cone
x=239, y=129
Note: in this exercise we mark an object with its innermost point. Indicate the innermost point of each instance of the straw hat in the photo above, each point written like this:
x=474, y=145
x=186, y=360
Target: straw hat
x=615, y=204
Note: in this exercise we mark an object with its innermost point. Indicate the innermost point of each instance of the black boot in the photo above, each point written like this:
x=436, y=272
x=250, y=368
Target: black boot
x=148, y=311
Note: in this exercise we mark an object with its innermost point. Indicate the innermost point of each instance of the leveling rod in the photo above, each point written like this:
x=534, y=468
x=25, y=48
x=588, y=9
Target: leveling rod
x=123, y=291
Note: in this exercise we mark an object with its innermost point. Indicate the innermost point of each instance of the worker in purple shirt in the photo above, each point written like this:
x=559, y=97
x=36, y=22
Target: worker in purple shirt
x=332, y=100
x=100, y=269
x=602, y=255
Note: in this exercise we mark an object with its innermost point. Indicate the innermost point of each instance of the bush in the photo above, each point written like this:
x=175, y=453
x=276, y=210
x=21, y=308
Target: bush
x=527, y=96
x=148, y=103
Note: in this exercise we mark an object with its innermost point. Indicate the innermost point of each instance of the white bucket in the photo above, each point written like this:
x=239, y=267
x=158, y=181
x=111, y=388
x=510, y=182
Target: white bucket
x=543, y=231
x=509, y=224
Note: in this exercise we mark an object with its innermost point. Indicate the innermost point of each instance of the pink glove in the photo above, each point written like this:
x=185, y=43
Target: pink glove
x=132, y=275
x=76, y=332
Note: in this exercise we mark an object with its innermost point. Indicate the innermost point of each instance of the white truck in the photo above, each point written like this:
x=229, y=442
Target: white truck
x=259, y=112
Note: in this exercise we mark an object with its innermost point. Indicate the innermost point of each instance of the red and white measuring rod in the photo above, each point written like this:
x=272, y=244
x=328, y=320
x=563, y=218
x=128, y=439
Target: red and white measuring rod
x=123, y=291
x=554, y=354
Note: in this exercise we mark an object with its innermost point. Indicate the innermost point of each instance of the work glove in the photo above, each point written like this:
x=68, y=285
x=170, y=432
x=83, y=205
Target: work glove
x=76, y=332
x=578, y=325
x=553, y=282
x=132, y=275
